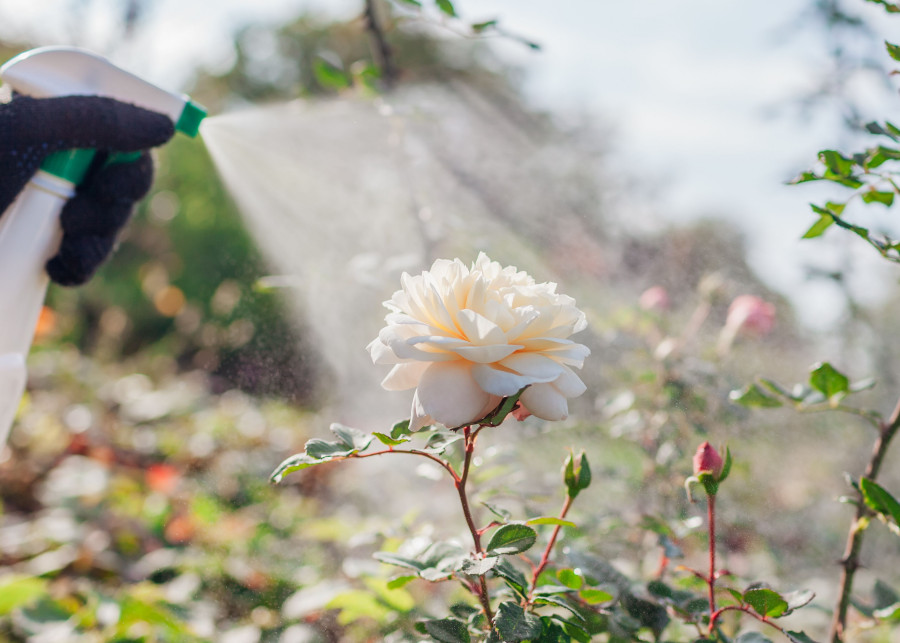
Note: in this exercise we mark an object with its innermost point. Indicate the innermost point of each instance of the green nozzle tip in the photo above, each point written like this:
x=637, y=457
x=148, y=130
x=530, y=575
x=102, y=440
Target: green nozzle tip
x=71, y=165
x=189, y=121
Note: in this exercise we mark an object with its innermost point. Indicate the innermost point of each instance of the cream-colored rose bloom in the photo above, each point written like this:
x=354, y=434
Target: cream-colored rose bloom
x=466, y=337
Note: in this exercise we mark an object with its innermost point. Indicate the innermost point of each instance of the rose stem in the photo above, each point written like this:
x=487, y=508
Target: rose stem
x=850, y=561
x=545, y=558
x=711, y=580
x=467, y=512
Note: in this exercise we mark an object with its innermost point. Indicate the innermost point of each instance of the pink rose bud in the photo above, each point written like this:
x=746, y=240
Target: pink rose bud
x=707, y=460
x=750, y=313
x=655, y=298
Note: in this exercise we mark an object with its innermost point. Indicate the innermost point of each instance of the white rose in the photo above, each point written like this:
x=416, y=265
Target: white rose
x=464, y=338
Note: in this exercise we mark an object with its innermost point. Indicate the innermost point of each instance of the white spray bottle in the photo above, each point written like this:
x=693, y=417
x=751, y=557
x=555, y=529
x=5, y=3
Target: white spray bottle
x=29, y=229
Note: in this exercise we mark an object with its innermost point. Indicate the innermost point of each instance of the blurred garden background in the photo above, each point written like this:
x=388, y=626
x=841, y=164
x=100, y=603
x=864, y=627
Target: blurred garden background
x=353, y=141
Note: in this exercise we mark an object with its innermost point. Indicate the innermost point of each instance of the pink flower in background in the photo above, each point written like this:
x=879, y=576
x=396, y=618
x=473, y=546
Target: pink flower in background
x=466, y=337
x=655, y=298
x=750, y=313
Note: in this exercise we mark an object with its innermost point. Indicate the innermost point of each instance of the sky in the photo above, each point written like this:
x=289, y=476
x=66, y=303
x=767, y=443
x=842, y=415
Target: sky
x=695, y=94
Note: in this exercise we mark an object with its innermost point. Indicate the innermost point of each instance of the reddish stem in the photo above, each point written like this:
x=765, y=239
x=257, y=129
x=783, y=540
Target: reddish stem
x=545, y=558
x=460, y=483
x=711, y=579
x=742, y=608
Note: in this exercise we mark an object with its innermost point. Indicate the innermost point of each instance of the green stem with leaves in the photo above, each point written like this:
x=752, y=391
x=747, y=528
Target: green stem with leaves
x=711, y=579
x=850, y=561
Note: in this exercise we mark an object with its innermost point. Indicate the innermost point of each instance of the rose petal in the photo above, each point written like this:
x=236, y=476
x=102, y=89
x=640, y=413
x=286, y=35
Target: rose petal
x=478, y=329
x=569, y=384
x=499, y=382
x=545, y=402
x=380, y=353
x=535, y=365
x=486, y=354
x=404, y=376
x=449, y=393
x=417, y=417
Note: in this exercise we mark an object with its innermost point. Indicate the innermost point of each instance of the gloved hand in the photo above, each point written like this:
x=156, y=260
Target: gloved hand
x=31, y=128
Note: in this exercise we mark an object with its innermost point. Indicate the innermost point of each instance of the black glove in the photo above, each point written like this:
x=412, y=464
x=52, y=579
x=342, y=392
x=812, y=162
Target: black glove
x=30, y=129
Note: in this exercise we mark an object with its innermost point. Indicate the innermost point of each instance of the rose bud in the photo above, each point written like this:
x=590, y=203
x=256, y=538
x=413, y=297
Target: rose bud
x=752, y=314
x=708, y=460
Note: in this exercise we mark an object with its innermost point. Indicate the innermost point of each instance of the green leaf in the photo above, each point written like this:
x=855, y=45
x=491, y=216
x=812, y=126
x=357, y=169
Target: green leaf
x=548, y=520
x=878, y=499
x=595, y=596
x=400, y=429
x=478, y=566
x=798, y=637
x=480, y=27
x=836, y=162
x=726, y=466
x=400, y=561
x=649, y=614
x=414, y=3
x=18, y=591
x=752, y=637
x=576, y=473
x=765, y=602
x=511, y=539
x=324, y=450
x=400, y=581
x=513, y=577
x=798, y=599
x=828, y=381
x=447, y=7
x=290, y=465
x=818, y=228
x=446, y=630
x=874, y=196
x=570, y=578
x=353, y=439
x=501, y=513
x=388, y=440
x=439, y=442
x=753, y=396
x=498, y=415
x=893, y=50
x=329, y=76
x=514, y=624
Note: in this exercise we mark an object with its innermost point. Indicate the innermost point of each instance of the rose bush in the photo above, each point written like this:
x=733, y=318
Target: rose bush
x=466, y=337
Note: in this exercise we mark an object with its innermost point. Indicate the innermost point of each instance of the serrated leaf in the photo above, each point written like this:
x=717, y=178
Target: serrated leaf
x=388, y=440
x=570, y=578
x=765, y=602
x=323, y=450
x=798, y=599
x=752, y=637
x=478, y=566
x=836, y=162
x=829, y=381
x=753, y=396
x=648, y=614
x=515, y=624
x=439, y=442
x=447, y=630
x=294, y=463
x=501, y=513
x=447, y=7
x=513, y=577
x=400, y=561
x=595, y=596
x=353, y=439
x=498, y=415
x=799, y=637
x=549, y=520
x=400, y=429
x=511, y=539
x=879, y=499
